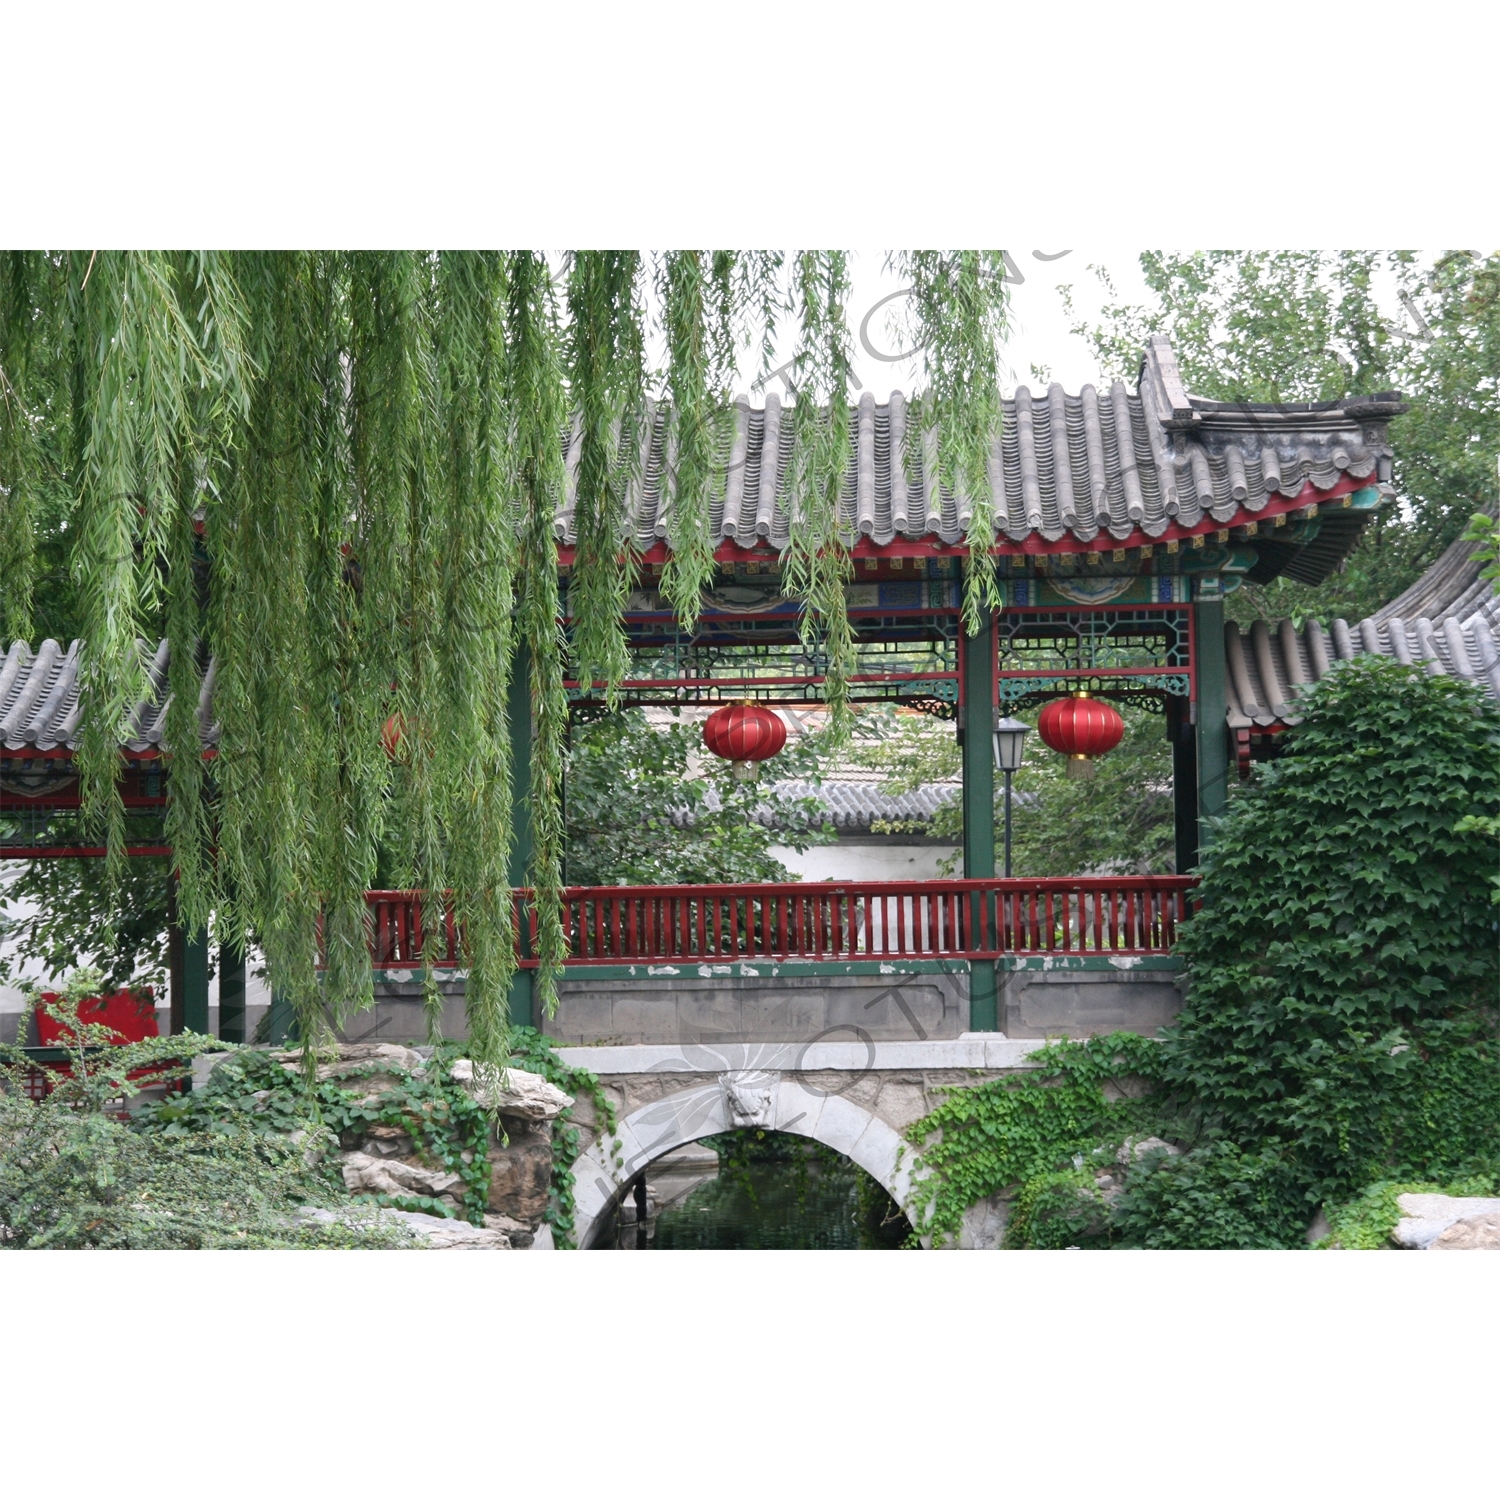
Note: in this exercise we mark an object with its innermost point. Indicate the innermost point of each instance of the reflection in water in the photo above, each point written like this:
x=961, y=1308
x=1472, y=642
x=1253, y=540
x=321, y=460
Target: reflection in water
x=766, y=1191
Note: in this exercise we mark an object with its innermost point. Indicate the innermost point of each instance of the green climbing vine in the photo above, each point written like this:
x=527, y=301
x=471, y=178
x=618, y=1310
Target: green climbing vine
x=533, y=1052
x=257, y=1091
x=1024, y=1130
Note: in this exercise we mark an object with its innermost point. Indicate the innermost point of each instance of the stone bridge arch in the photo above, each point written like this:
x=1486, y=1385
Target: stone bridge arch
x=737, y=1100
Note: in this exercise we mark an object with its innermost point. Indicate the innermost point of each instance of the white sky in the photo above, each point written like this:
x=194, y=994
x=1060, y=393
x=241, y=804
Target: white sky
x=1039, y=330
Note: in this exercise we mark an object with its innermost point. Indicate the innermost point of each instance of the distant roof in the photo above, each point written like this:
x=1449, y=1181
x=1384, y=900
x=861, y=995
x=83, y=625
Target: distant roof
x=854, y=806
x=1448, y=621
x=1070, y=469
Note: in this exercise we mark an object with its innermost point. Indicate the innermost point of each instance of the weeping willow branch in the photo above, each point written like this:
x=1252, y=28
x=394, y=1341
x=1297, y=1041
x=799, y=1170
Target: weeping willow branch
x=166, y=361
x=537, y=412
x=957, y=318
x=606, y=359
x=698, y=309
x=338, y=478
x=477, y=531
x=295, y=772
x=817, y=556
x=21, y=459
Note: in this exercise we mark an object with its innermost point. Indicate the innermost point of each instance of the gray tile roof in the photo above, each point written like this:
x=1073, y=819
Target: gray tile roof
x=39, y=700
x=850, y=806
x=1101, y=463
x=853, y=806
x=1448, y=621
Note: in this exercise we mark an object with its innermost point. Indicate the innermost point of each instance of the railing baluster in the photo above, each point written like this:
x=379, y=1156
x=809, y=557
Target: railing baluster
x=874, y=919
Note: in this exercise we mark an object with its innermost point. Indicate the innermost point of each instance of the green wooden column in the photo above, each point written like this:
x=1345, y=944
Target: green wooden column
x=281, y=1024
x=187, y=971
x=1212, y=738
x=978, y=724
x=195, y=981
x=231, y=993
x=1182, y=735
x=522, y=985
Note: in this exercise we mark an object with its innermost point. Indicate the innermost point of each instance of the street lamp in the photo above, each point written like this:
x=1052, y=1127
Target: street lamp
x=1010, y=746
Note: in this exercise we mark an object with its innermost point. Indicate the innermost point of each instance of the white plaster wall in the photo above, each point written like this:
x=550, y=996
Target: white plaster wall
x=893, y=861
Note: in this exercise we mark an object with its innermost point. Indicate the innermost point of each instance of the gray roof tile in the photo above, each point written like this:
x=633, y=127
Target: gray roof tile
x=850, y=806
x=1080, y=466
x=1448, y=622
x=39, y=700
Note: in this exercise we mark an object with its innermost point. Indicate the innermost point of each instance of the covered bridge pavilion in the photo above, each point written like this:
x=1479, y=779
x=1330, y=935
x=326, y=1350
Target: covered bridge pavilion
x=1123, y=520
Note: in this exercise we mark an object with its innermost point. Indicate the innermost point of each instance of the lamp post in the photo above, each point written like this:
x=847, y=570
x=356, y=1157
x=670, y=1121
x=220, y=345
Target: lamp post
x=1010, y=746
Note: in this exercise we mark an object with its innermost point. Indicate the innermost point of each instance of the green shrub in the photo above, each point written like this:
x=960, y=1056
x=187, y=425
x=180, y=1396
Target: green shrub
x=1342, y=967
x=72, y=1179
x=1340, y=1028
x=1216, y=1197
x=75, y=1176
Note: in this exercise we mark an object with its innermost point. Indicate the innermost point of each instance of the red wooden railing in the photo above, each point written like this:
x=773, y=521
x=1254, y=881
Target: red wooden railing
x=1124, y=914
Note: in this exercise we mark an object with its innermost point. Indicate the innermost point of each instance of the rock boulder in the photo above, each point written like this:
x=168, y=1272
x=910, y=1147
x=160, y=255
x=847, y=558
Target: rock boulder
x=525, y=1096
x=1430, y=1217
x=375, y=1174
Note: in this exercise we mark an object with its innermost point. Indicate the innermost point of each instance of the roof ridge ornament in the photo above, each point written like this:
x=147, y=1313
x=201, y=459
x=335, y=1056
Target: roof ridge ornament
x=1160, y=382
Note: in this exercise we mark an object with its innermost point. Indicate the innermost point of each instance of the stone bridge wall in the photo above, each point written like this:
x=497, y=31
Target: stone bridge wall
x=900, y=1001
x=855, y=1098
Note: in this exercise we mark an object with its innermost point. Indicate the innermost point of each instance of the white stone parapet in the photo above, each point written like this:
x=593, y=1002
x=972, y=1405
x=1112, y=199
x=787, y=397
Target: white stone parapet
x=974, y=1049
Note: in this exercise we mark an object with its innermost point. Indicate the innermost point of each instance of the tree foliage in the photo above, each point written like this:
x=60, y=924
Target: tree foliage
x=66, y=912
x=337, y=475
x=1323, y=325
x=647, y=807
x=1118, y=820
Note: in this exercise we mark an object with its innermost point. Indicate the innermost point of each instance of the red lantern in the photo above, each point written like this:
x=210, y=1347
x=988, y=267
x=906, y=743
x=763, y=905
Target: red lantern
x=392, y=734
x=1081, y=728
x=744, y=733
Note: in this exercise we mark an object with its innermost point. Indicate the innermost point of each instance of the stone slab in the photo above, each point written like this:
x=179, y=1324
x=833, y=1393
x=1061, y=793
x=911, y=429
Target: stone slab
x=721, y=1005
x=984, y=1050
x=1081, y=1003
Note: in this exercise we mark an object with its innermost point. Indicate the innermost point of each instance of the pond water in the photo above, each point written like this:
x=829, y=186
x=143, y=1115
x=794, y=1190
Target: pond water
x=766, y=1191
